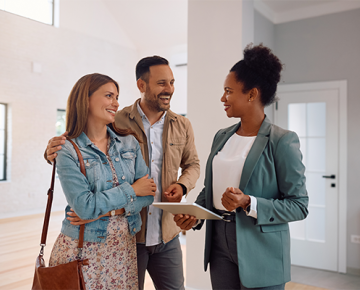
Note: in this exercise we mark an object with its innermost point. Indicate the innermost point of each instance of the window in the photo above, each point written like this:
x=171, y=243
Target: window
x=60, y=122
x=39, y=10
x=3, y=116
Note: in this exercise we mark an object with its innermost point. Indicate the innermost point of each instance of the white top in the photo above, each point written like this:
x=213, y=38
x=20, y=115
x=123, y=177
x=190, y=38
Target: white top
x=227, y=168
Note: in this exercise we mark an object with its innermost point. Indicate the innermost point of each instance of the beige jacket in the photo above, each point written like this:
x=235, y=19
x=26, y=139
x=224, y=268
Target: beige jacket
x=179, y=151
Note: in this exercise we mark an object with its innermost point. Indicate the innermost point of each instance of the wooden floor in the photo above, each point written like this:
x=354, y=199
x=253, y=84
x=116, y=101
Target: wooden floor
x=19, y=247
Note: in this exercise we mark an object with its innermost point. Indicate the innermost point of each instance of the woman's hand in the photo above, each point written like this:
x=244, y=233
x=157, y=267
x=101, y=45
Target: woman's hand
x=75, y=220
x=234, y=198
x=144, y=186
x=185, y=221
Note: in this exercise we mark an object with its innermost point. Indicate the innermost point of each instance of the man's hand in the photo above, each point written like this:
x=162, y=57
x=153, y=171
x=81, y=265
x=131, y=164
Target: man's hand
x=75, y=220
x=55, y=145
x=185, y=221
x=174, y=193
x=234, y=198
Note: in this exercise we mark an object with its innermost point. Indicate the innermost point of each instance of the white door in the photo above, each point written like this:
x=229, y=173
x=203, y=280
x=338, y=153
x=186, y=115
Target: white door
x=313, y=115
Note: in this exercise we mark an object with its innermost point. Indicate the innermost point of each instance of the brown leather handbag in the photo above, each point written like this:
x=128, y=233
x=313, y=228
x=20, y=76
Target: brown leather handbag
x=65, y=276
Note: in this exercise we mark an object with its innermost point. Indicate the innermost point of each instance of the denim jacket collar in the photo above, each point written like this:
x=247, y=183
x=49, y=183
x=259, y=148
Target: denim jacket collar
x=84, y=140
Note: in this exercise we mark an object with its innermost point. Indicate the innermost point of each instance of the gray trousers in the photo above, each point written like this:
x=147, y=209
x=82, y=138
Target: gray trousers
x=224, y=271
x=164, y=264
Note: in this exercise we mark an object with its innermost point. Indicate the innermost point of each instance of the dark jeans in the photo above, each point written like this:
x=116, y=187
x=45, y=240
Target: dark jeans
x=164, y=264
x=224, y=272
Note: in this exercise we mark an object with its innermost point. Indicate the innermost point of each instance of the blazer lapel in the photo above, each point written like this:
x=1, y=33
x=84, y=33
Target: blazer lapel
x=255, y=153
x=220, y=142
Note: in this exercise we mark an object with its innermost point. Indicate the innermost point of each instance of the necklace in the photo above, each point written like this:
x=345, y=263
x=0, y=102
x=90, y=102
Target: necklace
x=100, y=140
x=100, y=144
x=248, y=134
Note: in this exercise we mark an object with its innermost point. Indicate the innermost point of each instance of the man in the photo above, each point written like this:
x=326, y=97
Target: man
x=167, y=144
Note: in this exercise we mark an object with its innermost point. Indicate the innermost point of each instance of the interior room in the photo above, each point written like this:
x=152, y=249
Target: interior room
x=46, y=45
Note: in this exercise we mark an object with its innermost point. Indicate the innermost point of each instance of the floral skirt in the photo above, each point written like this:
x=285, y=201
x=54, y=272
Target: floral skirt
x=112, y=264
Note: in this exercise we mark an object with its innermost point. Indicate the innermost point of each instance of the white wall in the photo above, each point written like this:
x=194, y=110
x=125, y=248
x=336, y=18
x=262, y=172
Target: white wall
x=93, y=18
x=65, y=55
x=264, y=32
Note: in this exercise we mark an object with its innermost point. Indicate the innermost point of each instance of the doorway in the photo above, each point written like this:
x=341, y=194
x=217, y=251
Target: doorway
x=317, y=113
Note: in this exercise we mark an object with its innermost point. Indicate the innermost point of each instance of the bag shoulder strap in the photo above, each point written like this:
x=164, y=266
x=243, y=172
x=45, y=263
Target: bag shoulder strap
x=48, y=211
x=50, y=194
x=81, y=160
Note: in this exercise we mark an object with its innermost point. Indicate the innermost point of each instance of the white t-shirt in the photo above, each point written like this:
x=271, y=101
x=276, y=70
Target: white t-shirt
x=228, y=165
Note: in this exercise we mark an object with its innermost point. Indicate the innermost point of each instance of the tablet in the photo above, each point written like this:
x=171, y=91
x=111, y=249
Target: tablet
x=188, y=208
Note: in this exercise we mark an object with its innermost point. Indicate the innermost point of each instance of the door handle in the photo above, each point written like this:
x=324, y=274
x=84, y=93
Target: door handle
x=329, y=176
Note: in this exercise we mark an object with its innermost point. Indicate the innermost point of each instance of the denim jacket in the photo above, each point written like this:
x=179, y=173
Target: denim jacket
x=95, y=195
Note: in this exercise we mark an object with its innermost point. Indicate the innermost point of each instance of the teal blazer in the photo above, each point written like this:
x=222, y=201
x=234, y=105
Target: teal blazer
x=273, y=173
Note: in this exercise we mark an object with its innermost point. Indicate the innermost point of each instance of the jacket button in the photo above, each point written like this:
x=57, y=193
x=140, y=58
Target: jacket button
x=117, y=159
x=131, y=199
x=123, y=177
x=134, y=229
x=271, y=219
x=128, y=213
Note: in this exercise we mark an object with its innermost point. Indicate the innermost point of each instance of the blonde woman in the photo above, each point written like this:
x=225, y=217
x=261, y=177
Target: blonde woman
x=112, y=194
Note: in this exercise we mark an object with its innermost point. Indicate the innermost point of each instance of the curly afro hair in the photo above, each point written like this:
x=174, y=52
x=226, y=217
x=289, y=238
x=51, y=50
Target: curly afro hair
x=259, y=69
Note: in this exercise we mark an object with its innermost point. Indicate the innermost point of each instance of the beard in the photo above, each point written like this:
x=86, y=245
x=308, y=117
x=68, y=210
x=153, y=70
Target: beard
x=154, y=103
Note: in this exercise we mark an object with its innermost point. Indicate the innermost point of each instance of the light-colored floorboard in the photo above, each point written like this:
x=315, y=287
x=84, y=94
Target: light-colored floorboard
x=325, y=279
x=19, y=247
x=296, y=286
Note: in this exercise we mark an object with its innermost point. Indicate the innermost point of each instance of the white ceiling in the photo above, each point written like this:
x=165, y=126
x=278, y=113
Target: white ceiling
x=163, y=23
x=279, y=6
x=155, y=23
x=280, y=11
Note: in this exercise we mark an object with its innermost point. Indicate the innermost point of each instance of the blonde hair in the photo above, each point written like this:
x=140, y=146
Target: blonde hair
x=77, y=108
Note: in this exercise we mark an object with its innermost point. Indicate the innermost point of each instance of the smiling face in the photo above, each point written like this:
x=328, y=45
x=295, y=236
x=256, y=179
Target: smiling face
x=103, y=104
x=236, y=102
x=159, y=88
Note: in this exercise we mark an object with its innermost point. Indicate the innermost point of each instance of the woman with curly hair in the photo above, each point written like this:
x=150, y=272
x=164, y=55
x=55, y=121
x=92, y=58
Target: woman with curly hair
x=255, y=179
